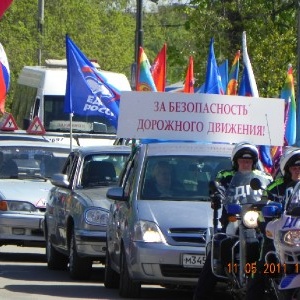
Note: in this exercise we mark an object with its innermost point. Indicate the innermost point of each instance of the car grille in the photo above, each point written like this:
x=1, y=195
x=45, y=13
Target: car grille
x=179, y=271
x=196, y=236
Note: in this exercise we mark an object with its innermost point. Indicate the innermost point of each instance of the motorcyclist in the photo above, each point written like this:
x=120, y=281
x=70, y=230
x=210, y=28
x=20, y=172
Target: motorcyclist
x=278, y=191
x=244, y=160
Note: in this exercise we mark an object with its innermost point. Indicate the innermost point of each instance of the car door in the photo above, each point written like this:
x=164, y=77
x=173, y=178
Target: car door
x=63, y=195
x=121, y=210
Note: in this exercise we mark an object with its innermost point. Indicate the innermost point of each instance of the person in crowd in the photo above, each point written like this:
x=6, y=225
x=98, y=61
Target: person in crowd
x=277, y=191
x=160, y=184
x=245, y=161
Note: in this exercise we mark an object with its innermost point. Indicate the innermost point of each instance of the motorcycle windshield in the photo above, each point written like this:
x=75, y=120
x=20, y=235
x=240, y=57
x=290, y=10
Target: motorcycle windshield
x=239, y=190
x=294, y=198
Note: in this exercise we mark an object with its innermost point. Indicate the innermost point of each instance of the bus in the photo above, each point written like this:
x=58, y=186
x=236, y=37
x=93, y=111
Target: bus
x=41, y=92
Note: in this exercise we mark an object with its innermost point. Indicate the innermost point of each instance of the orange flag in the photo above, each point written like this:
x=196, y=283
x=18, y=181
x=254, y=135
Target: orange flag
x=189, y=79
x=159, y=69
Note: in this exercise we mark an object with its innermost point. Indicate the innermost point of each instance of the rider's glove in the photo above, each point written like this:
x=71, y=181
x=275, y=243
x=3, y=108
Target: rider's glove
x=216, y=201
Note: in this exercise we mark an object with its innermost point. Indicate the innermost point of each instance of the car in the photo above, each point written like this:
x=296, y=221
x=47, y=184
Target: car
x=77, y=208
x=161, y=238
x=25, y=171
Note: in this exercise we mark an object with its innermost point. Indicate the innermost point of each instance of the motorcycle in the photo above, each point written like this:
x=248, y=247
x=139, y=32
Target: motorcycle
x=284, y=230
x=234, y=252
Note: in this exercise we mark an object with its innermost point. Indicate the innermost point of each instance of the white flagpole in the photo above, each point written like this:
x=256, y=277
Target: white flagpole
x=71, y=132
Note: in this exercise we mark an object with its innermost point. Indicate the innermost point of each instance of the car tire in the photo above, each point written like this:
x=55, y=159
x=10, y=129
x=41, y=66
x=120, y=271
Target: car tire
x=127, y=288
x=55, y=259
x=111, y=277
x=79, y=268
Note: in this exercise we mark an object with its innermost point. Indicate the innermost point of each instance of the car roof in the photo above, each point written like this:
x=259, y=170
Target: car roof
x=103, y=148
x=188, y=148
x=24, y=143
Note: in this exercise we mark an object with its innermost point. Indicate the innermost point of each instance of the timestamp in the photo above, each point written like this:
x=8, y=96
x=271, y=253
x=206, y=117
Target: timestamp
x=268, y=268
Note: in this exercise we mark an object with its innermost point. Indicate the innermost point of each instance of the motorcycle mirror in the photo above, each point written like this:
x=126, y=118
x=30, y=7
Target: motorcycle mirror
x=213, y=186
x=255, y=184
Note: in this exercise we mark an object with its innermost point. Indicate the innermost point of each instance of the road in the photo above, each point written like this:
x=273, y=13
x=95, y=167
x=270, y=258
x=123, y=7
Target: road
x=24, y=276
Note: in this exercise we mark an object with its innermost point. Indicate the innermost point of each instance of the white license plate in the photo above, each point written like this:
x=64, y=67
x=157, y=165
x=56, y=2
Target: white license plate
x=193, y=260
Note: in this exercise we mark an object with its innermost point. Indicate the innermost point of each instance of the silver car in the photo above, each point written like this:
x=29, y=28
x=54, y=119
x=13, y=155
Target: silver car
x=77, y=208
x=25, y=171
x=158, y=234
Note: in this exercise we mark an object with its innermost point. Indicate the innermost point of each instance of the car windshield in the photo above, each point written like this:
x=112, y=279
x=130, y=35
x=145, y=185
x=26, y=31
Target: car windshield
x=31, y=162
x=102, y=169
x=181, y=177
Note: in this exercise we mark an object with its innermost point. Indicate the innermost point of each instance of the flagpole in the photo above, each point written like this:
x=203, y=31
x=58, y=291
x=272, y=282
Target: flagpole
x=71, y=132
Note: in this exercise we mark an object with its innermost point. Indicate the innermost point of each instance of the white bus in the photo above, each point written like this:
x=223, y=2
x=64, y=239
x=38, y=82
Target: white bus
x=41, y=91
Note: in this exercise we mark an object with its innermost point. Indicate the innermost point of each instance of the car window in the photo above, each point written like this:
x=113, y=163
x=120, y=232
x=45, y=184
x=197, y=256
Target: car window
x=102, y=169
x=189, y=176
x=29, y=161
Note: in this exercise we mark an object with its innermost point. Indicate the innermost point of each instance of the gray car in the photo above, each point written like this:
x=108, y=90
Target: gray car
x=158, y=234
x=25, y=171
x=77, y=208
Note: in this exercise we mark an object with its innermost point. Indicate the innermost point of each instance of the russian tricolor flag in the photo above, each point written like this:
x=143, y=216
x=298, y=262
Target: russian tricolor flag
x=4, y=78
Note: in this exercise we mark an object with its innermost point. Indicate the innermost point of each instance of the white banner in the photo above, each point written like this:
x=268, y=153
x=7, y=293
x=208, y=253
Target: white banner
x=201, y=117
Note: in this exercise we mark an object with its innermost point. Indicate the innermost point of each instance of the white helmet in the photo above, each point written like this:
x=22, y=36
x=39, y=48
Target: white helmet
x=288, y=159
x=244, y=150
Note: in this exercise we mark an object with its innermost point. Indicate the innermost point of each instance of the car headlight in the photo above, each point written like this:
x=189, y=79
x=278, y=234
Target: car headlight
x=96, y=217
x=292, y=237
x=17, y=206
x=148, y=232
x=250, y=219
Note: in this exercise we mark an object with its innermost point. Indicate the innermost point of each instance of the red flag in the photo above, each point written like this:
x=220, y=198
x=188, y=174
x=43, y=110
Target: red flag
x=4, y=5
x=159, y=69
x=189, y=79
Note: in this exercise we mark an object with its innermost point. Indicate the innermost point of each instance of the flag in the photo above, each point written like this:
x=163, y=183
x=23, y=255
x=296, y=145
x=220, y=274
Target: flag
x=288, y=94
x=223, y=70
x=87, y=91
x=159, y=69
x=213, y=83
x=144, y=80
x=4, y=5
x=232, y=86
x=248, y=88
x=4, y=78
x=189, y=79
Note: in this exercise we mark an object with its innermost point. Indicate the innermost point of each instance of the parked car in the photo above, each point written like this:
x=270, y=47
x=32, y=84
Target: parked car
x=25, y=170
x=156, y=235
x=77, y=208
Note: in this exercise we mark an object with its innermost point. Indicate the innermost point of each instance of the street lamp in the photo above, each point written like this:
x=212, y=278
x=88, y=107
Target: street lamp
x=138, y=39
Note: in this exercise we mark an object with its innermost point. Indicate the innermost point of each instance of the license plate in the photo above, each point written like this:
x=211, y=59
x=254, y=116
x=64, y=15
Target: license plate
x=193, y=260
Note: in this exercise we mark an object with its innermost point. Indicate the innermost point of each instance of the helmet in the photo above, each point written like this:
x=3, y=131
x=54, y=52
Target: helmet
x=244, y=150
x=288, y=159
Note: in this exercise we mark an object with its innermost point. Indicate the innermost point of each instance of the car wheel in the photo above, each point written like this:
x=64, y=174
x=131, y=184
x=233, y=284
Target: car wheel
x=55, y=259
x=79, y=268
x=111, y=277
x=127, y=288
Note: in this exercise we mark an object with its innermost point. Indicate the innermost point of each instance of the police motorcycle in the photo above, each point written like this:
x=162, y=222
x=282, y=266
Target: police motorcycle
x=284, y=229
x=234, y=252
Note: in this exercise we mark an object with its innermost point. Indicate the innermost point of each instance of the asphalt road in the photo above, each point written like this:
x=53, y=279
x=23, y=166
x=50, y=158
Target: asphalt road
x=25, y=276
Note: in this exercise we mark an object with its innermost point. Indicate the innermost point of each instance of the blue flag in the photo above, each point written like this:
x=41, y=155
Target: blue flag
x=88, y=92
x=213, y=82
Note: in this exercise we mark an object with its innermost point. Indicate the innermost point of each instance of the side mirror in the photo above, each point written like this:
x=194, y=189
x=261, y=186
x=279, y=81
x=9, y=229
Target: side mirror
x=255, y=184
x=116, y=193
x=234, y=209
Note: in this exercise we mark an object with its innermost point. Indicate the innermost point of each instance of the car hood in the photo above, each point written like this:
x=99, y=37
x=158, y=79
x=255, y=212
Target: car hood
x=96, y=197
x=170, y=214
x=32, y=191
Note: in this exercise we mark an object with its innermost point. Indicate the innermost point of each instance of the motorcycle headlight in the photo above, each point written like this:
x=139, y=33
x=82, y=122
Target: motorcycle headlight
x=250, y=219
x=292, y=238
x=148, y=232
x=96, y=217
